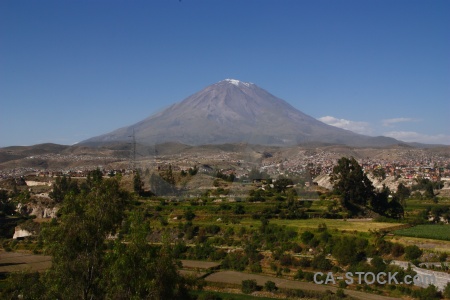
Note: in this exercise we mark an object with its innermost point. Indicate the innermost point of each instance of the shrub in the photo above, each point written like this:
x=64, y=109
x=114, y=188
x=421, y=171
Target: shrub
x=304, y=262
x=412, y=252
x=299, y=275
x=321, y=263
x=306, y=237
x=397, y=250
x=447, y=291
x=256, y=267
x=249, y=286
x=286, y=260
x=340, y=293
x=270, y=286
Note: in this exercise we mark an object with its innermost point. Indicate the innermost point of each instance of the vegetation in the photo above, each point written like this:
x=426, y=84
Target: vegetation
x=103, y=246
x=437, y=232
x=84, y=268
x=357, y=193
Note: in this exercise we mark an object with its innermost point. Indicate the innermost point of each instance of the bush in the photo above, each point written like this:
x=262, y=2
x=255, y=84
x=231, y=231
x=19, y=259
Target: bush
x=249, y=286
x=306, y=237
x=256, y=267
x=397, y=250
x=320, y=262
x=286, y=260
x=447, y=291
x=429, y=293
x=299, y=275
x=412, y=252
x=340, y=293
x=304, y=262
x=270, y=286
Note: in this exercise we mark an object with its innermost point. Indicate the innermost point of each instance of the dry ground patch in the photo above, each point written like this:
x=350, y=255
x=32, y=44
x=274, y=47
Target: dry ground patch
x=16, y=261
x=361, y=225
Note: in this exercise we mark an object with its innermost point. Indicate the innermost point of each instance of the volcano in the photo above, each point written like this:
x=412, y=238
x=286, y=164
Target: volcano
x=232, y=111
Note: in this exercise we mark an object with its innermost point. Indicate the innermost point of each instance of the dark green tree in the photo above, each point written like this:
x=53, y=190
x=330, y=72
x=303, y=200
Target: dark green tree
x=403, y=192
x=77, y=241
x=63, y=186
x=6, y=207
x=351, y=184
x=380, y=200
x=281, y=184
x=136, y=270
x=138, y=185
x=93, y=178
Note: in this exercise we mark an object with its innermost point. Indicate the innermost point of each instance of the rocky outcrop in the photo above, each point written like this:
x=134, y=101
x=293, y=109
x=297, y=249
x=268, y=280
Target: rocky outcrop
x=323, y=180
x=38, y=209
x=21, y=233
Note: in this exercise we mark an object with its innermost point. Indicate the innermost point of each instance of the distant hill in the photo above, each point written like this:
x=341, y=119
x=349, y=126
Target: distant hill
x=232, y=111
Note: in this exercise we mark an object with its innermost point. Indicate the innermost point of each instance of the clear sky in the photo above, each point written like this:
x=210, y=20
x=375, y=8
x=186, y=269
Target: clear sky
x=70, y=70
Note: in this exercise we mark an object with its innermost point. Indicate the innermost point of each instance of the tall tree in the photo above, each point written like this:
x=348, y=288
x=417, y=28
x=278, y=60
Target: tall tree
x=351, y=184
x=138, y=185
x=77, y=241
x=137, y=270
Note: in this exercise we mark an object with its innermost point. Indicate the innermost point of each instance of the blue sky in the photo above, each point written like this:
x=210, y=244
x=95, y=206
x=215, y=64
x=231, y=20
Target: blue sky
x=70, y=70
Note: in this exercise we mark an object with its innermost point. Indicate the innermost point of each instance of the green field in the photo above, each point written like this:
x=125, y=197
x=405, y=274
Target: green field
x=437, y=232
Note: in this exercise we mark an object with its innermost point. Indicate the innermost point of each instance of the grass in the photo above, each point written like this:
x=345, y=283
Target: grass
x=436, y=232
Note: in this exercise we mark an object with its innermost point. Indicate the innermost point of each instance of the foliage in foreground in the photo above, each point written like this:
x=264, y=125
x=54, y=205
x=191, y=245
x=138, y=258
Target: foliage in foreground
x=85, y=265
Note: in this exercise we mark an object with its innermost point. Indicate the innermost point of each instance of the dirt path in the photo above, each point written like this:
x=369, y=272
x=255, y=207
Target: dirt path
x=237, y=277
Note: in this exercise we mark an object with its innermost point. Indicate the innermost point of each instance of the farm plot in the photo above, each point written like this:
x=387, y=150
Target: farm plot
x=435, y=232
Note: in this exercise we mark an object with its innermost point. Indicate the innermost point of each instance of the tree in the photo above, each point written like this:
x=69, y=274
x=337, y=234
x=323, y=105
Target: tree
x=281, y=184
x=6, y=207
x=138, y=185
x=351, y=184
x=62, y=187
x=77, y=241
x=402, y=193
x=136, y=270
x=93, y=178
x=379, y=173
x=380, y=200
x=84, y=267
